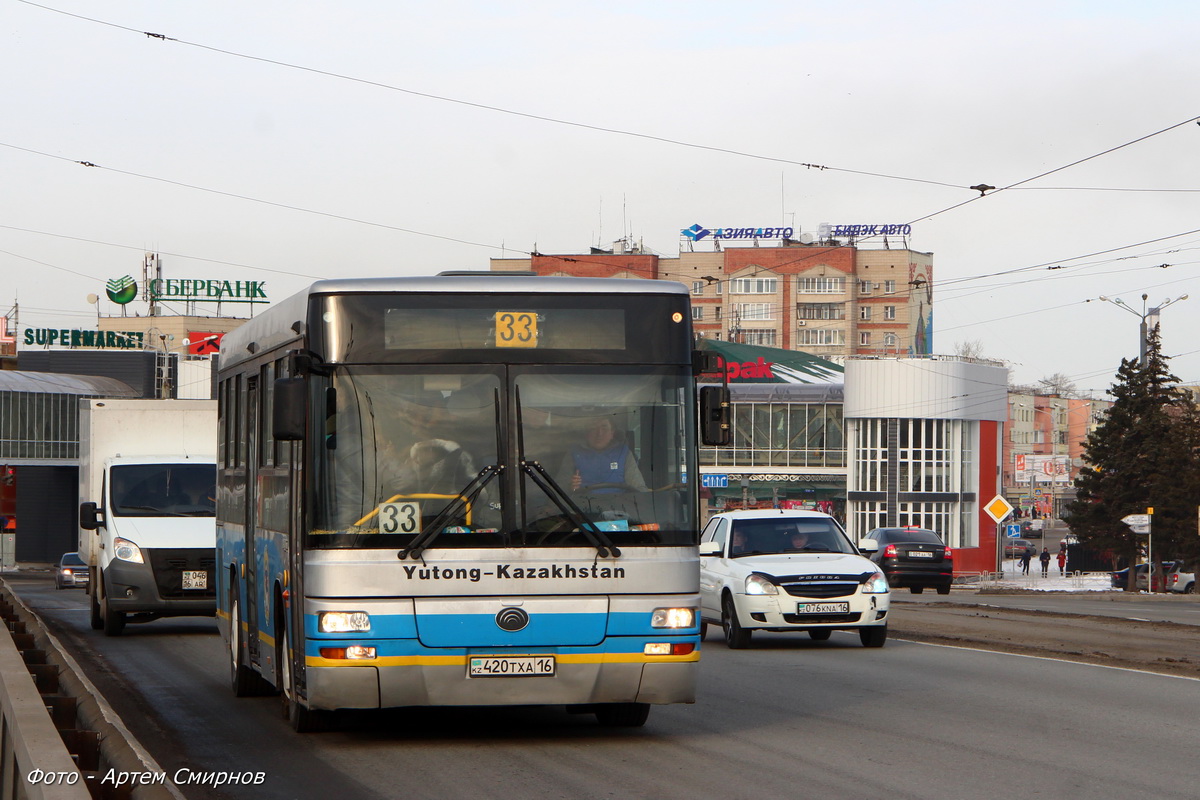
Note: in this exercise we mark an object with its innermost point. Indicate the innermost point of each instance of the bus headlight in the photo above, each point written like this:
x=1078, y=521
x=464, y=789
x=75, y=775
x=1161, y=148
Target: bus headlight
x=673, y=618
x=127, y=551
x=343, y=622
x=758, y=584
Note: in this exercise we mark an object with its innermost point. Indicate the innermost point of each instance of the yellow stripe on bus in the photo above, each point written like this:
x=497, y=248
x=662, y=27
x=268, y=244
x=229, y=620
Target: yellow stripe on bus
x=460, y=661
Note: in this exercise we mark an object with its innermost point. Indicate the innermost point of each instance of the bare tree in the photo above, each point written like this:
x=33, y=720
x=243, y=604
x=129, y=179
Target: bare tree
x=971, y=349
x=1058, y=384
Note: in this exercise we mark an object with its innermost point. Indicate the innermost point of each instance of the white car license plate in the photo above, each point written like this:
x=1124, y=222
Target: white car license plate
x=822, y=608
x=510, y=666
x=919, y=554
x=195, y=579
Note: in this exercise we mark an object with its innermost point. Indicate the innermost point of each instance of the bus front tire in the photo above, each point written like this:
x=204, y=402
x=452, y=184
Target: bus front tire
x=300, y=717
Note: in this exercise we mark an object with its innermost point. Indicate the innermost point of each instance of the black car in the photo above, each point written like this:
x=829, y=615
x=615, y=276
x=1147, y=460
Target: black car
x=912, y=557
x=71, y=571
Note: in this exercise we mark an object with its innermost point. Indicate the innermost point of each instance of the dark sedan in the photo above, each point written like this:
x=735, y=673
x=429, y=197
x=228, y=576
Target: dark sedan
x=912, y=557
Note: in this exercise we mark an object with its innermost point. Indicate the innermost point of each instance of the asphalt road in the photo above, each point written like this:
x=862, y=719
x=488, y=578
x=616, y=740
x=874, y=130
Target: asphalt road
x=789, y=718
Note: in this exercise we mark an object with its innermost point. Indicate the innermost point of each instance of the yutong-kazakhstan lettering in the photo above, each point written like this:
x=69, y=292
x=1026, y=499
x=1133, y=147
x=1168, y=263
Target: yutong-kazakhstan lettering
x=509, y=572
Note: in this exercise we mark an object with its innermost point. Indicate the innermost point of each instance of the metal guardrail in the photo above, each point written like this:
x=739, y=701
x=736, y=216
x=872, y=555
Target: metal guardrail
x=59, y=737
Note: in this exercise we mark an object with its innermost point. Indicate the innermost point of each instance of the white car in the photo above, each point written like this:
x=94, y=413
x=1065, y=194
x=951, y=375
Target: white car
x=786, y=570
x=1180, y=581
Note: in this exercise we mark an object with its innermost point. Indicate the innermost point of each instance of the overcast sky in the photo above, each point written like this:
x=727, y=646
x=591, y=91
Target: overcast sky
x=289, y=141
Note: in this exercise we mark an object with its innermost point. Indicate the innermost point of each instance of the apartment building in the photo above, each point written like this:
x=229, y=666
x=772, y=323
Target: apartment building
x=831, y=297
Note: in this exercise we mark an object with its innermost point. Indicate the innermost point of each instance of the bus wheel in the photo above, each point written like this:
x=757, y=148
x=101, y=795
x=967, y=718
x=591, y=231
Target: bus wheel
x=243, y=680
x=301, y=718
x=112, y=621
x=622, y=715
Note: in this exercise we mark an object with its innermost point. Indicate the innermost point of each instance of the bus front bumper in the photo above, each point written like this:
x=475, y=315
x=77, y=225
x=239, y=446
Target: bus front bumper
x=444, y=681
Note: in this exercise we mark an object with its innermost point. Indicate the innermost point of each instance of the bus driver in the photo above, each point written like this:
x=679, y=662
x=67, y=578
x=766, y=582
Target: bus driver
x=604, y=461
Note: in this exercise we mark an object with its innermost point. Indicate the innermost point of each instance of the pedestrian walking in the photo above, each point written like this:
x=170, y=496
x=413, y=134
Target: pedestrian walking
x=1026, y=557
x=1045, y=559
x=1062, y=563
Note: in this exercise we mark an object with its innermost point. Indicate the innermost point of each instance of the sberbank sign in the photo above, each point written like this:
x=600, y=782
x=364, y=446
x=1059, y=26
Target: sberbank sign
x=213, y=291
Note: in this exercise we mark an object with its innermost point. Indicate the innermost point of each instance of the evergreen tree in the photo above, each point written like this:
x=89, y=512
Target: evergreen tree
x=1143, y=455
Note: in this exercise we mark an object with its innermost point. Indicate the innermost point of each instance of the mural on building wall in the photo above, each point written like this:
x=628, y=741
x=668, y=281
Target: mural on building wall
x=920, y=281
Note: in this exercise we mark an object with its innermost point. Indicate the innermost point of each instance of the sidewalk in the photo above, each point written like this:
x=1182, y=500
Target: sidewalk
x=1053, y=582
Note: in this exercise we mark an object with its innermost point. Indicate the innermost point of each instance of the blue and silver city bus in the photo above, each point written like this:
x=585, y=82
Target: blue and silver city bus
x=463, y=490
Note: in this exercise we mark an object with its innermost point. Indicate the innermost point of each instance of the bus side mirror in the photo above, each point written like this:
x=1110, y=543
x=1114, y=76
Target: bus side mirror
x=288, y=413
x=89, y=516
x=706, y=361
x=714, y=415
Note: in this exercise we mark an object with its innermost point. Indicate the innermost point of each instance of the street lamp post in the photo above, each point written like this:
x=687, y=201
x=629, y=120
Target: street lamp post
x=1149, y=318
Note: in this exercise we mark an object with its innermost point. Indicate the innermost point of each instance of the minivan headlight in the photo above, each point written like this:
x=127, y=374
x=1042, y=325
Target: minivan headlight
x=127, y=551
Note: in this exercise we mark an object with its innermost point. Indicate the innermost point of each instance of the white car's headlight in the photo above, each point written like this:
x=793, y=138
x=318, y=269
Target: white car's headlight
x=757, y=584
x=876, y=584
x=673, y=618
x=127, y=551
x=344, y=622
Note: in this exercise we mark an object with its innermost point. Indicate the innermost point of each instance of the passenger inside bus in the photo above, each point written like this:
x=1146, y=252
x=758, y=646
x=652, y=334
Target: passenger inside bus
x=431, y=451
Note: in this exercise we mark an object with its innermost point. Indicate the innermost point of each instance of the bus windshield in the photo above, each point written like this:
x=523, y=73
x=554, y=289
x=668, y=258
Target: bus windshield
x=594, y=449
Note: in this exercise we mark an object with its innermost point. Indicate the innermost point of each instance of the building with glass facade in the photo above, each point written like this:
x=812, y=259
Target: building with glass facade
x=925, y=437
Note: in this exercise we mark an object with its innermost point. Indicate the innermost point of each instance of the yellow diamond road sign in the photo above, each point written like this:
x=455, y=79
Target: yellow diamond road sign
x=998, y=508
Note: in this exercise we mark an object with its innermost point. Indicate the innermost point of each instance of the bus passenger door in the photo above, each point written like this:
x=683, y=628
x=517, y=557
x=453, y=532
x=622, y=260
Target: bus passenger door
x=250, y=600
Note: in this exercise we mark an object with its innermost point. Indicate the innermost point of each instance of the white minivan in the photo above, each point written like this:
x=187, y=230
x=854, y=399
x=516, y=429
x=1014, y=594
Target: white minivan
x=788, y=570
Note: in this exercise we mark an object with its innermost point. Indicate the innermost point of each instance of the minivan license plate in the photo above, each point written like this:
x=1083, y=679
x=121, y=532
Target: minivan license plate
x=510, y=666
x=195, y=579
x=822, y=608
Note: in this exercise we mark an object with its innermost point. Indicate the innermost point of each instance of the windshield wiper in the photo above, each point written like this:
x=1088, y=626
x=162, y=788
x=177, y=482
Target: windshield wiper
x=469, y=493
x=574, y=513
x=157, y=511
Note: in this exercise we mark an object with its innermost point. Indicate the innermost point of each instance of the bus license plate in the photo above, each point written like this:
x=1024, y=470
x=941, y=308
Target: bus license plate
x=510, y=666
x=195, y=579
x=822, y=608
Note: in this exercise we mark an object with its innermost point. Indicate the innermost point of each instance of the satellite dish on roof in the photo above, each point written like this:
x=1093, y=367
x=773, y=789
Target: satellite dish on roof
x=93, y=299
x=806, y=238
